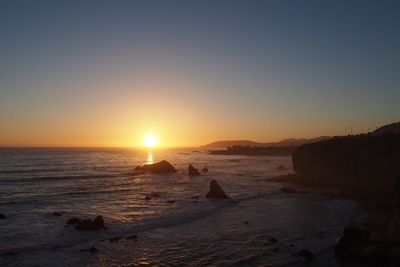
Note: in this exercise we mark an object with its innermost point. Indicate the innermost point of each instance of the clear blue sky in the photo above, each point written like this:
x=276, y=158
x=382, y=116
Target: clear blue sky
x=106, y=72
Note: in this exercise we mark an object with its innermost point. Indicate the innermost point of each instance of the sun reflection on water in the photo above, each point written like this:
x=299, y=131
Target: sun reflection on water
x=150, y=159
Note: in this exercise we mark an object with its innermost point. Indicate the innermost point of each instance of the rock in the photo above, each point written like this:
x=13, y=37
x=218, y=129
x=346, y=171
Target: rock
x=193, y=171
x=2, y=216
x=216, y=191
x=88, y=224
x=147, y=198
x=193, y=201
x=159, y=167
x=288, y=190
x=273, y=240
x=131, y=237
x=306, y=253
x=91, y=250
x=281, y=168
x=170, y=201
x=205, y=169
x=74, y=220
x=56, y=214
x=195, y=197
x=353, y=244
x=246, y=222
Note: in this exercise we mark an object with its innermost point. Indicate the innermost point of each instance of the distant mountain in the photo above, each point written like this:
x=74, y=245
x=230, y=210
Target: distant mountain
x=227, y=143
x=284, y=142
x=393, y=128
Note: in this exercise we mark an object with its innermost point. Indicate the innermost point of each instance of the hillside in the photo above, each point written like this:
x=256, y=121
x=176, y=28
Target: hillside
x=393, y=128
x=284, y=142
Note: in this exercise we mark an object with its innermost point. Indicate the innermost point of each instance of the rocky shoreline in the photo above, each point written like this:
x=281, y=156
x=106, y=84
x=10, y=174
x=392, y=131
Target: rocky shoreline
x=364, y=168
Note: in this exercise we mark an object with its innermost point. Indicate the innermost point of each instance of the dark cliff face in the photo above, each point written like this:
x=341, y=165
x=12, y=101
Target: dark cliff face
x=367, y=163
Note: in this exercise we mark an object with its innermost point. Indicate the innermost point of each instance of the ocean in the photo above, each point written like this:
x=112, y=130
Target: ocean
x=178, y=226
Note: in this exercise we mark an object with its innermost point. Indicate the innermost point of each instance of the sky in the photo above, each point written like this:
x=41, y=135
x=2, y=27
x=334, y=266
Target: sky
x=107, y=73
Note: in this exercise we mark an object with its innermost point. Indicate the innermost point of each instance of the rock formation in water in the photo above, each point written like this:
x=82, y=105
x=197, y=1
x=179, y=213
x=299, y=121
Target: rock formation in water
x=216, y=191
x=159, y=167
x=205, y=169
x=193, y=171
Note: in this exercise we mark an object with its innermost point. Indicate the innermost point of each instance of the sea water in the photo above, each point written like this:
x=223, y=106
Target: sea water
x=178, y=226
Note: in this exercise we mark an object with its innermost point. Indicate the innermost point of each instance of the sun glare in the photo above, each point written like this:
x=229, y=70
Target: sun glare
x=150, y=140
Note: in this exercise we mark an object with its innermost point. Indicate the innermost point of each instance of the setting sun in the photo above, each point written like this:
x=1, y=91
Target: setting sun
x=150, y=140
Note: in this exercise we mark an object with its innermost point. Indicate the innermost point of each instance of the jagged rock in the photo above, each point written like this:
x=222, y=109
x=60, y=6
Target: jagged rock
x=306, y=253
x=193, y=171
x=89, y=224
x=2, y=216
x=159, y=167
x=216, y=191
x=205, y=169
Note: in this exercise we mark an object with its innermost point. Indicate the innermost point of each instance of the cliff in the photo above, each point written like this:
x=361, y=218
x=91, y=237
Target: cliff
x=366, y=163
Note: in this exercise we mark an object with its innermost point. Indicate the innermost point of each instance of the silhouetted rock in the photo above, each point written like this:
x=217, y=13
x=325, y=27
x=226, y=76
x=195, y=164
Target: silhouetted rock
x=170, y=201
x=195, y=197
x=56, y=214
x=193, y=171
x=2, y=216
x=216, y=191
x=159, y=167
x=352, y=244
x=281, y=168
x=89, y=224
x=306, y=253
x=74, y=220
x=91, y=250
x=147, y=197
x=288, y=190
x=205, y=169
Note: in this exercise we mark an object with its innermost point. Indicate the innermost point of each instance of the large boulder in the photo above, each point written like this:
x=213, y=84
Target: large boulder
x=159, y=167
x=193, y=171
x=216, y=191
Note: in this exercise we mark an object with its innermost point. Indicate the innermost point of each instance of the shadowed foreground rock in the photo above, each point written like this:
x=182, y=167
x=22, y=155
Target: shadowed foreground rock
x=355, y=245
x=193, y=171
x=159, y=167
x=216, y=191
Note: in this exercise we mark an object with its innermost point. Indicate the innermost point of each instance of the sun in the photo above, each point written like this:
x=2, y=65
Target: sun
x=150, y=140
